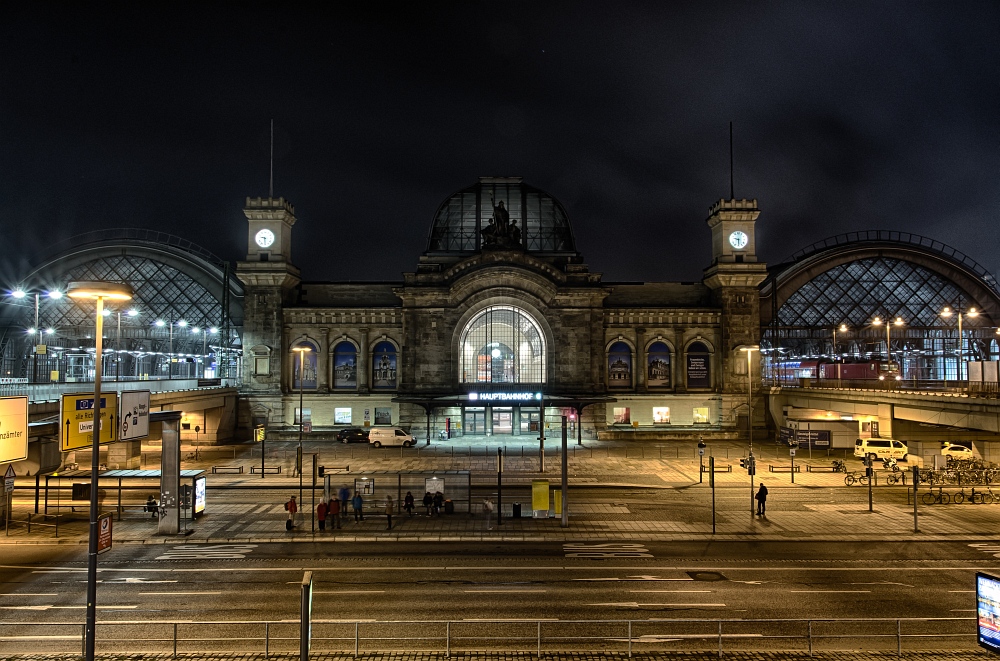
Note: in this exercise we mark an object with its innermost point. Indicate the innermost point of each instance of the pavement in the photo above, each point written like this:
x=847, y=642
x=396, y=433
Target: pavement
x=960, y=655
x=618, y=492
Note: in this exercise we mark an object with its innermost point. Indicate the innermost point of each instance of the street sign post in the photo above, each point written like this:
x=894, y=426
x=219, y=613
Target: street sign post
x=8, y=479
x=13, y=429
x=104, y=532
x=76, y=417
x=134, y=415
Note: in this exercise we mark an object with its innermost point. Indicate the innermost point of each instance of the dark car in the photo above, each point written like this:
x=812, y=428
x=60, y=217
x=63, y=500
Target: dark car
x=352, y=435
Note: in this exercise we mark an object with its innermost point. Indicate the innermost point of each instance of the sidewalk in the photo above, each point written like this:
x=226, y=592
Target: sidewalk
x=616, y=506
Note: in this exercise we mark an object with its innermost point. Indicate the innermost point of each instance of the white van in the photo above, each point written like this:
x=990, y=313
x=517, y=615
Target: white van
x=379, y=436
x=882, y=448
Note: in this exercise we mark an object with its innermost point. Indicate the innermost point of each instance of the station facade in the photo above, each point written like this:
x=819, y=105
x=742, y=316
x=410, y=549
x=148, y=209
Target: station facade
x=501, y=329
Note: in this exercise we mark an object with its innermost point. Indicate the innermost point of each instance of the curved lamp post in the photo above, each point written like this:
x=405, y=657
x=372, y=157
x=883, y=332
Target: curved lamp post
x=302, y=351
x=97, y=291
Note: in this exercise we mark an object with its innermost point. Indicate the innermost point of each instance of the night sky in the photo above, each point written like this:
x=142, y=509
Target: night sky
x=848, y=116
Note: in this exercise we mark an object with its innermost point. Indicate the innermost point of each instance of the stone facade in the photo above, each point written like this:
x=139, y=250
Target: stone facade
x=484, y=331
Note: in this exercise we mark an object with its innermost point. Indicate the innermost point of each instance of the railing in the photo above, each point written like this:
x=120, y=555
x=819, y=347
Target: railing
x=530, y=636
x=47, y=392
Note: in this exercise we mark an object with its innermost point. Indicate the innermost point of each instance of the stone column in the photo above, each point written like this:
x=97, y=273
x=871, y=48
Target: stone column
x=170, y=471
x=363, y=363
x=322, y=371
x=678, y=364
x=640, y=360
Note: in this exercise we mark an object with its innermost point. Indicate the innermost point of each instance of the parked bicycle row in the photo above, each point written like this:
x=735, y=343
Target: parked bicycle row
x=977, y=497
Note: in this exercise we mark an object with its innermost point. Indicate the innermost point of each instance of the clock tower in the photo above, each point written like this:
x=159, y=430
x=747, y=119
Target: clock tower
x=270, y=280
x=734, y=278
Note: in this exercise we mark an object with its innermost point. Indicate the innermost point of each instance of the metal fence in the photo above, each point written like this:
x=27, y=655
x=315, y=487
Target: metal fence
x=717, y=636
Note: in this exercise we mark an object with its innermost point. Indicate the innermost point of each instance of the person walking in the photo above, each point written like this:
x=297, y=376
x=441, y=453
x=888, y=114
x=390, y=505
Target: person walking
x=152, y=507
x=321, y=515
x=428, y=500
x=488, y=511
x=333, y=513
x=292, y=508
x=345, y=495
x=389, y=506
x=762, y=501
x=358, y=504
x=408, y=503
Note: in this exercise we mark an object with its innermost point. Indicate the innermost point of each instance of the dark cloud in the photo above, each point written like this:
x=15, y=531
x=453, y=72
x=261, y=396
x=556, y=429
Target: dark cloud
x=848, y=116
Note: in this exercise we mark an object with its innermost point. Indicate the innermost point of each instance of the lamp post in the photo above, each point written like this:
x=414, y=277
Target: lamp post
x=36, y=330
x=843, y=329
x=97, y=291
x=749, y=349
x=302, y=351
x=877, y=321
x=947, y=312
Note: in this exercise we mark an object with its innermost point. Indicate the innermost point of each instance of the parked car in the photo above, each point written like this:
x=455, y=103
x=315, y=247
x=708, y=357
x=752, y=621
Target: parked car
x=953, y=451
x=353, y=435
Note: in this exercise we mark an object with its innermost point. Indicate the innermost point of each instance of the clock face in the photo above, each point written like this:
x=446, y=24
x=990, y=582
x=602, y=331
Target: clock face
x=265, y=238
x=738, y=239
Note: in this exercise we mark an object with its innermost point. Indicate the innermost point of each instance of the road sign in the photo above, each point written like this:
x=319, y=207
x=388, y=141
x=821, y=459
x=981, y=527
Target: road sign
x=13, y=429
x=104, y=523
x=307, y=427
x=258, y=434
x=77, y=420
x=8, y=479
x=134, y=416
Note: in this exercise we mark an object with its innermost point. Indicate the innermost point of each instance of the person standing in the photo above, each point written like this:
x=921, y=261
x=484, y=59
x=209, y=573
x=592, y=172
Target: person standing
x=333, y=513
x=408, y=503
x=488, y=510
x=389, y=506
x=292, y=508
x=762, y=501
x=321, y=515
x=345, y=495
x=152, y=507
x=358, y=504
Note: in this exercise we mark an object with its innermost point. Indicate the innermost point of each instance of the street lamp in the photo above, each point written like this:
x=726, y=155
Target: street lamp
x=877, y=321
x=843, y=329
x=947, y=312
x=36, y=330
x=749, y=349
x=302, y=351
x=97, y=291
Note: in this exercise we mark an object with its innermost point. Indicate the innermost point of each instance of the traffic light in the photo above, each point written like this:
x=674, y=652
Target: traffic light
x=750, y=464
x=744, y=463
x=322, y=471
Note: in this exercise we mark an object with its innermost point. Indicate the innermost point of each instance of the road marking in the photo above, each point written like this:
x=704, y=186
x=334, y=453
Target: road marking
x=214, y=552
x=905, y=585
x=634, y=578
x=40, y=637
x=963, y=610
x=502, y=591
x=343, y=591
x=673, y=591
x=828, y=591
x=510, y=619
x=632, y=604
x=963, y=591
x=609, y=550
x=217, y=592
x=53, y=607
x=30, y=594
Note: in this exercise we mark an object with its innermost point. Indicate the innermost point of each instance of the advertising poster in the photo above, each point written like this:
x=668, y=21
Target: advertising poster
x=658, y=366
x=200, y=492
x=13, y=429
x=308, y=363
x=345, y=366
x=620, y=366
x=697, y=371
x=384, y=366
x=988, y=611
x=383, y=415
x=540, y=499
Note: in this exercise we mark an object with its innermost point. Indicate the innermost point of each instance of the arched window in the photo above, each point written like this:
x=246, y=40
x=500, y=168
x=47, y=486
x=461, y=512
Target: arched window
x=502, y=344
x=384, y=366
x=658, y=366
x=619, y=365
x=699, y=366
x=345, y=366
x=308, y=361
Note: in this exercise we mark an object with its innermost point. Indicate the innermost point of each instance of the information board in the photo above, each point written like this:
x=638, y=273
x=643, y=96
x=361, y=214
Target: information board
x=988, y=611
x=200, y=493
x=76, y=418
x=13, y=429
x=134, y=416
x=104, y=523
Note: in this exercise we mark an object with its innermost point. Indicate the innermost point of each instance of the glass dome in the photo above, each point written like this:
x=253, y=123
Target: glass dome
x=501, y=213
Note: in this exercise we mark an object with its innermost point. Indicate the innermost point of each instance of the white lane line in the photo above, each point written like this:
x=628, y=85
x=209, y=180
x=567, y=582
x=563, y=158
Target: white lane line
x=509, y=619
x=963, y=610
x=346, y=591
x=52, y=607
x=39, y=637
x=217, y=592
x=632, y=579
x=671, y=591
x=30, y=594
x=503, y=591
x=828, y=591
x=632, y=604
x=963, y=591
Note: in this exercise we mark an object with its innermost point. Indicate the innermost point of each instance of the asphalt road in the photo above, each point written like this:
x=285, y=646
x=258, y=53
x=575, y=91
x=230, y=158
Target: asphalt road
x=468, y=583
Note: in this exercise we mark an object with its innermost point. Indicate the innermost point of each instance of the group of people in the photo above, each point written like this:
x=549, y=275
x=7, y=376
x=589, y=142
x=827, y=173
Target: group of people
x=433, y=504
x=335, y=512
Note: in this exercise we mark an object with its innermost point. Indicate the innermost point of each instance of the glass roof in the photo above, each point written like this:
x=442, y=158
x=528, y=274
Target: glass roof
x=501, y=212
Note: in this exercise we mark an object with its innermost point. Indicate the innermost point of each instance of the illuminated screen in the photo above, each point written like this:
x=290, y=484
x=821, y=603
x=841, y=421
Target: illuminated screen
x=988, y=611
x=199, y=495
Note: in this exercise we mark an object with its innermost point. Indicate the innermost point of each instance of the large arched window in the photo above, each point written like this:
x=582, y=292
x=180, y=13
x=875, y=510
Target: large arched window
x=619, y=365
x=502, y=344
x=658, y=366
x=308, y=361
x=699, y=366
x=384, y=366
x=345, y=365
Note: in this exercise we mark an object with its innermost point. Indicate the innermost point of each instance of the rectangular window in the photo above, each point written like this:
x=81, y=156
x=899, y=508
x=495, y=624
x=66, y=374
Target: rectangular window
x=261, y=365
x=299, y=413
x=700, y=415
x=383, y=416
x=623, y=416
x=342, y=416
x=661, y=415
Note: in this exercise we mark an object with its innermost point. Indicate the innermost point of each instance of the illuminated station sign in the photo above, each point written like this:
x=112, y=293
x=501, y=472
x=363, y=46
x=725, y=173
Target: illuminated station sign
x=505, y=396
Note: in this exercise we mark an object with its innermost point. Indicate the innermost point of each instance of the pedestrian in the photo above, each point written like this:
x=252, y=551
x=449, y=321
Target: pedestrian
x=292, y=508
x=358, y=504
x=389, y=506
x=151, y=507
x=488, y=510
x=438, y=502
x=345, y=495
x=428, y=500
x=333, y=513
x=761, y=501
x=321, y=515
x=408, y=503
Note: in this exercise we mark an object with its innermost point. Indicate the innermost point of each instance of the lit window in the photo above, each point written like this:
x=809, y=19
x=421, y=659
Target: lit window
x=342, y=416
x=502, y=344
x=661, y=415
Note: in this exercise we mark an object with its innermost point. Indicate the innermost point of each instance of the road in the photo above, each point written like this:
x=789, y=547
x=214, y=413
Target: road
x=469, y=582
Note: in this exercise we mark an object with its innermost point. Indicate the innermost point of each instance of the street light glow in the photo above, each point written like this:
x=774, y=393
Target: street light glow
x=133, y=313
x=18, y=294
x=182, y=323
x=160, y=323
x=55, y=293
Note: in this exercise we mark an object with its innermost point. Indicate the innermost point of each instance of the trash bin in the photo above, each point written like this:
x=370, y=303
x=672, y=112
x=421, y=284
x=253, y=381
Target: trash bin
x=449, y=507
x=517, y=511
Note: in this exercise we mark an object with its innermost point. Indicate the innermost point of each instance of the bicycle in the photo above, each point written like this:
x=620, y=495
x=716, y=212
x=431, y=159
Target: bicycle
x=839, y=466
x=982, y=497
x=893, y=478
x=941, y=498
x=854, y=477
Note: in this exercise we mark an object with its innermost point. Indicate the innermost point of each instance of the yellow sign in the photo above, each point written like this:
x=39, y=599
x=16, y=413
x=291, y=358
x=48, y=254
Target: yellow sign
x=13, y=429
x=41, y=349
x=76, y=419
x=258, y=434
x=540, y=498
